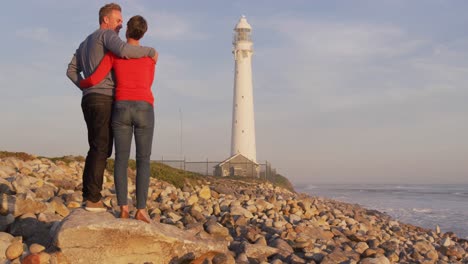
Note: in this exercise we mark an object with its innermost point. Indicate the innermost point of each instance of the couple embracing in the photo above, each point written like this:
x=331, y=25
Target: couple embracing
x=117, y=103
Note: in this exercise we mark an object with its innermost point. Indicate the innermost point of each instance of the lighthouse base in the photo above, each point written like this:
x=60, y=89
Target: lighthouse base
x=238, y=165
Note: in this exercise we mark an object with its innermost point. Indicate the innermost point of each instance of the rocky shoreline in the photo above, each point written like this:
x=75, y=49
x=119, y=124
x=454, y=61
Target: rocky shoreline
x=214, y=220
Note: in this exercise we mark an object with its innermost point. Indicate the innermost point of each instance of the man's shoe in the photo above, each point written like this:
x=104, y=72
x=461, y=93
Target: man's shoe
x=95, y=206
x=142, y=215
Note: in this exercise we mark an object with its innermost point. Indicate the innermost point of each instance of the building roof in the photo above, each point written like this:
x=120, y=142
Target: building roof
x=232, y=157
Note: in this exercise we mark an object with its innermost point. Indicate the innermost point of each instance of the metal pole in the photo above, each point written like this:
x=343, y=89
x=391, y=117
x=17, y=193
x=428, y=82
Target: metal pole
x=180, y=133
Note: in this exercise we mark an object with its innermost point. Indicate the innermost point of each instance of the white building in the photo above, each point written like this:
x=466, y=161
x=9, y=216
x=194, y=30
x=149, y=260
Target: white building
x=243, y=121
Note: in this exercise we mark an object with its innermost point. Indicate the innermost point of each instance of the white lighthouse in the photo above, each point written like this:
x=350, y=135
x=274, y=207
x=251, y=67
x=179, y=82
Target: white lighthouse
x=243, y=122
x=243, y=160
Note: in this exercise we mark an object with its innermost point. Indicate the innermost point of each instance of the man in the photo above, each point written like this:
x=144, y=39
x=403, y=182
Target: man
x=97, y=100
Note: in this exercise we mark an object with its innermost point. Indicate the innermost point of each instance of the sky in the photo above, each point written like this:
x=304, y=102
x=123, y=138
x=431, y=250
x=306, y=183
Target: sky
x=361, y=91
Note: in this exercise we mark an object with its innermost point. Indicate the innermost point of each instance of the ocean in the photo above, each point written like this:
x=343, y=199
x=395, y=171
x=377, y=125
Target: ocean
x=421, y=205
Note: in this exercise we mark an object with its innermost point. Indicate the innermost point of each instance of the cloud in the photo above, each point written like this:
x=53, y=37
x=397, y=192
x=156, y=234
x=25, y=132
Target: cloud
x=35, y=78
x=359, y=41
x=169, y=26
x=359, y=99
x=165, y=25
x=39, y=34
x=342, y=66
x=184, y=77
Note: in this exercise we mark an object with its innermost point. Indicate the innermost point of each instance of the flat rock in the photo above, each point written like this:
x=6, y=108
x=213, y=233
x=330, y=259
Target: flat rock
x=205, y=192
x=312, y=232
x=282, y=245
x=258, y=251
x=85, y=237
x=337, y=256
x=216, y=229
x=59, y=207
x=239, y=210
x=378, y=260
x=10, y=204
x=45, y=192
x=214, y=258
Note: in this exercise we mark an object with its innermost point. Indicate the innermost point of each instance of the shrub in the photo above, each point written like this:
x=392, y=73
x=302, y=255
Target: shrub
x=19, y=155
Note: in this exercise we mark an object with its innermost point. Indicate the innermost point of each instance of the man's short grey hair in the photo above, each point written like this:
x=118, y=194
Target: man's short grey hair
x=107, y=10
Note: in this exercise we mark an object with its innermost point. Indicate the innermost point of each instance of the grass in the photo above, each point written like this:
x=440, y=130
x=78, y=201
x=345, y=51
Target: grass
x=277, y=180
x=25, y=157
x=179, y=178
x=281, y=181
x=176, y=177
x=19, y=155
x=163, y=172
x=66, y=159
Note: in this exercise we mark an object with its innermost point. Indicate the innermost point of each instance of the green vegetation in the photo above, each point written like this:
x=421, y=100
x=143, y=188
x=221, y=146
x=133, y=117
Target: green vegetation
x=19, y=155
x=25, y=157
x=66, y=159
x=281, y=181
x=179, y=178
x=163, y=172
x=276, y=179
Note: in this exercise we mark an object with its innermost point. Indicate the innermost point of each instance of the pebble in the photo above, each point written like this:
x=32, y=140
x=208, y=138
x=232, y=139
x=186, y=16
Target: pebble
x=14, y=250
x=36, y=248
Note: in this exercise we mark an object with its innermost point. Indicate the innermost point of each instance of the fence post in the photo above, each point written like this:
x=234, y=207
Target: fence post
x=267, y=170
x=161, y=165
x=252, y=169
x=206, y=167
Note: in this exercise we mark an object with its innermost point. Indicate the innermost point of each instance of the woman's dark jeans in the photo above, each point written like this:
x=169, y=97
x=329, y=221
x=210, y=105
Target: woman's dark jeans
x=129, y=117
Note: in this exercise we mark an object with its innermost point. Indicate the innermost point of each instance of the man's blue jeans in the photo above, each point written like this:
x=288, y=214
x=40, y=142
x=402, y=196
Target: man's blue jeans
x=128, y=118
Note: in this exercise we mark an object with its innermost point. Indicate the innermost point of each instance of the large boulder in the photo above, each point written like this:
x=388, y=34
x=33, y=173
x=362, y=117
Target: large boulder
x=85, y=237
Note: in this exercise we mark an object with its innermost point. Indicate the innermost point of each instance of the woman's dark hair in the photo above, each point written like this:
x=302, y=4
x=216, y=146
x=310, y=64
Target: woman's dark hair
x=136, y=27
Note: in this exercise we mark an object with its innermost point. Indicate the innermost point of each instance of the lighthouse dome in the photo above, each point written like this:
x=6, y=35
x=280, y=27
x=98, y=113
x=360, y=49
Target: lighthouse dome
x=243, y=24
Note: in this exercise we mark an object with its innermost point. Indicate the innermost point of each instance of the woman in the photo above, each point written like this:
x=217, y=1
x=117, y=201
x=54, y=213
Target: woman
x=132, y=113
